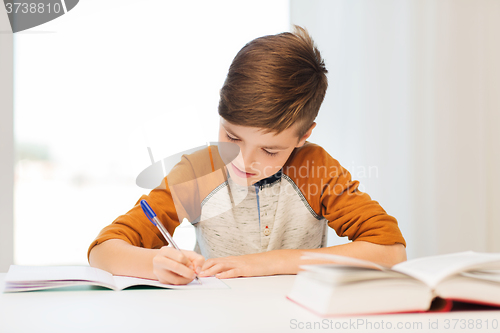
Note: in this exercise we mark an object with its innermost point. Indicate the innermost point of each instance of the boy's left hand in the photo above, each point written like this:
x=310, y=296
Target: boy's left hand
x=235, y=266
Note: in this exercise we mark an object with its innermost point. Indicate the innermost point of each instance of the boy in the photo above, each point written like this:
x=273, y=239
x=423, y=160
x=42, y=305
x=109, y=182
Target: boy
x=293, y=189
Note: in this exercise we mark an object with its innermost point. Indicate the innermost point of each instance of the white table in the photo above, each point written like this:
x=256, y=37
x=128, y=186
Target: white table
x=251, y=305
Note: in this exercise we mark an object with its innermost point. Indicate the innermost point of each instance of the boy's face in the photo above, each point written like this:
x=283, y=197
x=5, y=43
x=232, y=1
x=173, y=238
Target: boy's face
x=261, y=155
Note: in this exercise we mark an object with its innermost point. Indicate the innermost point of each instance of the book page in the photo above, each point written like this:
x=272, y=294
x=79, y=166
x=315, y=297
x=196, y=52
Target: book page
x=46, y=275
x=343, y=260
x=435, y=269
x=211, y=282
x=488, y=275
x=338, y=273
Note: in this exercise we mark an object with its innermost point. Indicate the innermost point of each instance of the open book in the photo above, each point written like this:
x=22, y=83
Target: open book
x=27, y=278
x=351, y=286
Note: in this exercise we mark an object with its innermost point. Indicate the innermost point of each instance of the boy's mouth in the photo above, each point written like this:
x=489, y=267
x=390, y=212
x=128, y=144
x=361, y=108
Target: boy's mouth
x=241, y=173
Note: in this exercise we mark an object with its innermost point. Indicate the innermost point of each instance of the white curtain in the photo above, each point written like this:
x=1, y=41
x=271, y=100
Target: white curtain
x=413, y=111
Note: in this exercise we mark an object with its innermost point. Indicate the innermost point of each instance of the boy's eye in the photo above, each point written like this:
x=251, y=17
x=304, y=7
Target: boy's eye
x=231, y=138
x=234, y=139
x=270, y=154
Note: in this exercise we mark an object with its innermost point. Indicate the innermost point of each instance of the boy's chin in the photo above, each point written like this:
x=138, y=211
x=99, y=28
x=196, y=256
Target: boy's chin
x=243, y=181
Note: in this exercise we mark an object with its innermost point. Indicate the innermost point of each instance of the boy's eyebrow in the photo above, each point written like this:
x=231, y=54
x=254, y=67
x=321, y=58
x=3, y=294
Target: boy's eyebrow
x=266, y=147
x=274, y=147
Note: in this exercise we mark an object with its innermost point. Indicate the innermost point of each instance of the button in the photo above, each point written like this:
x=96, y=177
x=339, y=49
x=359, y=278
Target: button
x=267, y=231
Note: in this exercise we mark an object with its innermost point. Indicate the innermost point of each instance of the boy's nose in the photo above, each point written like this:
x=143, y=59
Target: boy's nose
x=245, y=159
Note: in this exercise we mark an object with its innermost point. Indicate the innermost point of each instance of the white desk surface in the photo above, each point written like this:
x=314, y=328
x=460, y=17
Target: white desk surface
x=251, y=305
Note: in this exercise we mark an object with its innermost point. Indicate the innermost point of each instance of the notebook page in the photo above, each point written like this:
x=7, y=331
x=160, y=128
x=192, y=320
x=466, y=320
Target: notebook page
x=46, y=274
x=16, y=287
x=434, y=269
x=206, y=283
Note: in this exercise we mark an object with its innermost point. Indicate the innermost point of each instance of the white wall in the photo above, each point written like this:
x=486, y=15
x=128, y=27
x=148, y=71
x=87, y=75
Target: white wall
x=415, y=92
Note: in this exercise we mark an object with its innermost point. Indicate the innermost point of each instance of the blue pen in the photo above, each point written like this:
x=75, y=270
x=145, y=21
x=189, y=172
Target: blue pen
x=151, y=215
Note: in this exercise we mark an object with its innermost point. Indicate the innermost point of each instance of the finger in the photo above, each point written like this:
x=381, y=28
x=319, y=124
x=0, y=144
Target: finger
x=217, y=268
x=174, y=254
x=196, y=259
x=167, y=264
x=192, y=255
x=232, y=273
x=168, y=277
x=209, y=263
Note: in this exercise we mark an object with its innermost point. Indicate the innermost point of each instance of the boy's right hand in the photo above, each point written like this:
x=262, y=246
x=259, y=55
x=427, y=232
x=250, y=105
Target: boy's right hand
x=173, y=267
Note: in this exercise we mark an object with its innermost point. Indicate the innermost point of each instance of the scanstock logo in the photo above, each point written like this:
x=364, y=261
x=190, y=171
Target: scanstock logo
x=208, y=158
x=25, y=14
x=188, y=175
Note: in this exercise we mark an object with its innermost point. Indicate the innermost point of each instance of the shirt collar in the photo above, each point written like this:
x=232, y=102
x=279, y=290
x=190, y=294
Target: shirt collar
x=269, y=180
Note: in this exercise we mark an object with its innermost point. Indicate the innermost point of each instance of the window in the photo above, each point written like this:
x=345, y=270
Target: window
x=96, y=87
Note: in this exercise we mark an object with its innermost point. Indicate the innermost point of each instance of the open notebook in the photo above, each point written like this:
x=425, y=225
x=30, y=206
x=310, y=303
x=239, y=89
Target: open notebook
x=27, y=278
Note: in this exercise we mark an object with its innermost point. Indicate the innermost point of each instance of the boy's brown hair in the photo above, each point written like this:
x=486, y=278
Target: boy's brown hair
x=274, y=82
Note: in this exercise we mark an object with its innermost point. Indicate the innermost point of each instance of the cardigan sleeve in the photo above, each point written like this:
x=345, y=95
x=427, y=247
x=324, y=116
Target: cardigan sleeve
x=171, y=204
x=349, y=211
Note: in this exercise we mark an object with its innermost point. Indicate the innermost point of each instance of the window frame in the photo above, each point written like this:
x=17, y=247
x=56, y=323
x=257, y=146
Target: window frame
x=6, y=144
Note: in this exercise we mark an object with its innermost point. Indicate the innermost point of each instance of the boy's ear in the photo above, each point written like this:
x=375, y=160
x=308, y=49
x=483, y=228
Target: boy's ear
x=306, y=135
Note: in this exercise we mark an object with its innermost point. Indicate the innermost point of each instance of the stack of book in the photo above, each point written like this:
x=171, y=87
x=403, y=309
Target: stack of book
x=351, y=286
